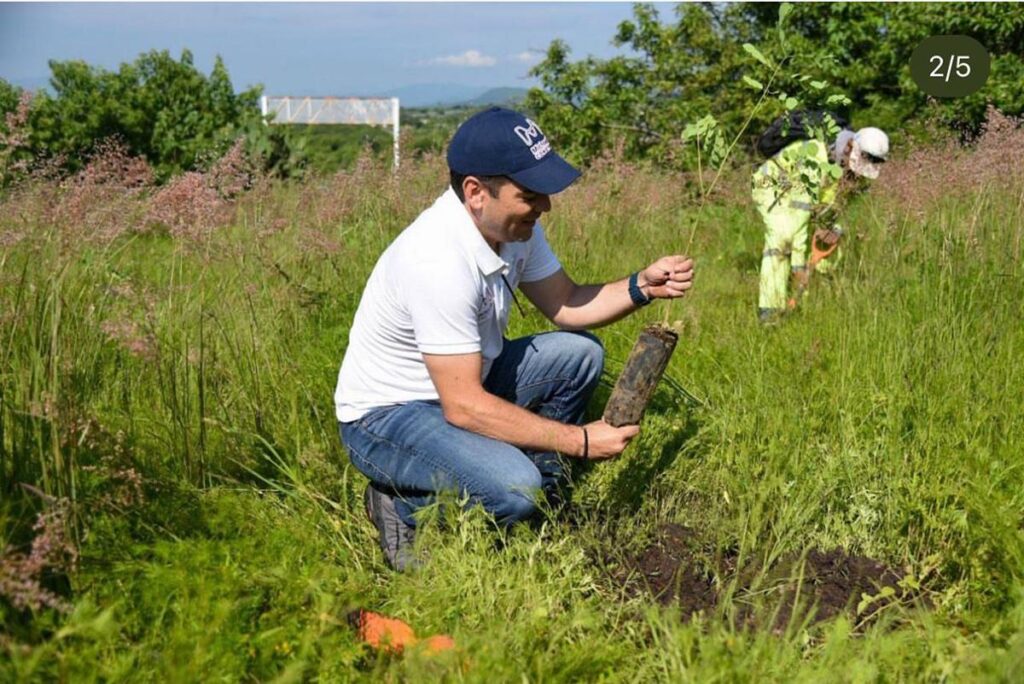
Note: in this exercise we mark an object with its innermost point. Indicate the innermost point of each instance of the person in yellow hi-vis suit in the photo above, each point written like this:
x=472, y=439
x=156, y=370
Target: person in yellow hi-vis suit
x=799, y=180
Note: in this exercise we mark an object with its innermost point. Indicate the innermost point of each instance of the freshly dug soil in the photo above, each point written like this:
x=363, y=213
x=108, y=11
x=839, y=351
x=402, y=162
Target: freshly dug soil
x=675, y=570
x=833, y=582
x=669, y=570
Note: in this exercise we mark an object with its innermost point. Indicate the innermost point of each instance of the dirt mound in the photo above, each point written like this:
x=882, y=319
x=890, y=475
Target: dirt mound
x=676, y=569
x=831, y=582
x=669, y=570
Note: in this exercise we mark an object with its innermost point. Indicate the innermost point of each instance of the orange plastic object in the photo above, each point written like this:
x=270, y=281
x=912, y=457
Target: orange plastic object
x=384, y=633
x=395, y=636
x=438, y=643
x=817, y=253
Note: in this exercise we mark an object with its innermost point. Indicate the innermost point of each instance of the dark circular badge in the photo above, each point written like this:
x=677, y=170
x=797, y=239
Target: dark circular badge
x=950, y=66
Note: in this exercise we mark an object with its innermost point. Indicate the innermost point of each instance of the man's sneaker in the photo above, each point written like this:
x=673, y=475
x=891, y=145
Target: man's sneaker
x=396, y=537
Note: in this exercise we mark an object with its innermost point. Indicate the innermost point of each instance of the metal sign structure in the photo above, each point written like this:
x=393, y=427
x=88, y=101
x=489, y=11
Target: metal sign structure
x=372, y=111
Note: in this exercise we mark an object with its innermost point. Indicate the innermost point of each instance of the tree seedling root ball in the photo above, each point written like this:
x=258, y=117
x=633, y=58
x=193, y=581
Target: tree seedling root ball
x=640, y=377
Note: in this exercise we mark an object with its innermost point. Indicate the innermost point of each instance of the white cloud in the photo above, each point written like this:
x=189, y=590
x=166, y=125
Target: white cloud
x=527, y=56
x=469, y=58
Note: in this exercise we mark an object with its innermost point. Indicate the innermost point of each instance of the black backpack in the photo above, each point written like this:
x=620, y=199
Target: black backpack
x=792, y=126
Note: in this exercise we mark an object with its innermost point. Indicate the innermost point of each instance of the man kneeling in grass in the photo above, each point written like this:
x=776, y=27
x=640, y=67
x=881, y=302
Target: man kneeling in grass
x=431, y=397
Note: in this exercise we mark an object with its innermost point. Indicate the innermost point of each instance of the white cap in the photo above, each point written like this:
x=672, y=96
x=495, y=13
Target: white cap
x=870, y=149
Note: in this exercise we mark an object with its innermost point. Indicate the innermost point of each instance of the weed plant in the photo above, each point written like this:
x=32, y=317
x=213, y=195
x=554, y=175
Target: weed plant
x=169, y=390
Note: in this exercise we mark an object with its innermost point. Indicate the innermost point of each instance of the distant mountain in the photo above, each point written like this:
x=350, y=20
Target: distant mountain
x=455, y=95
x=498, y=96
x=434, y=94
x=424, y=95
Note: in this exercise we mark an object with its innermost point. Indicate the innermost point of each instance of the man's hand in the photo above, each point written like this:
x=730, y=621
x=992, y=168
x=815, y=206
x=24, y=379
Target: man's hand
x=606, y=441
x=667, y=278
x=466, y=404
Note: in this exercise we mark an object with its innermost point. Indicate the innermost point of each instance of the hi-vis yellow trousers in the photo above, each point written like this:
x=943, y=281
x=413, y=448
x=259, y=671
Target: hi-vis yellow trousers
x=786, y=225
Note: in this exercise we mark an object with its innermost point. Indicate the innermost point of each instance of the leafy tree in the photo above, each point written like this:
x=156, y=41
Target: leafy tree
x=9, y=96
x=865, y=49
x=681, y=71
x=163, y=109
x=13, y=138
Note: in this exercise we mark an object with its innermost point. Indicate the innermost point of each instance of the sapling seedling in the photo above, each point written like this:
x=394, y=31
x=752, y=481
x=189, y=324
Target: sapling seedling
x=651, y=353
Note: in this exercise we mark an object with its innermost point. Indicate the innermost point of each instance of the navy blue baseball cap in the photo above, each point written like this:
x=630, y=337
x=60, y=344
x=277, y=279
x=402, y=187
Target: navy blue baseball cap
x=501, y=142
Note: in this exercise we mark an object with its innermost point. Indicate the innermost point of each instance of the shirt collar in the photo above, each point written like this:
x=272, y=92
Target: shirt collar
x=469, y=235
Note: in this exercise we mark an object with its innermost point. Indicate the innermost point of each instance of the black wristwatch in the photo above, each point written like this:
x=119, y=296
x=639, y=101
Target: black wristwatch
x=635, y=293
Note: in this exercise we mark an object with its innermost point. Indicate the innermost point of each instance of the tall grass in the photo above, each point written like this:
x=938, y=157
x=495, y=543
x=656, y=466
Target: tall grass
x=173, y=388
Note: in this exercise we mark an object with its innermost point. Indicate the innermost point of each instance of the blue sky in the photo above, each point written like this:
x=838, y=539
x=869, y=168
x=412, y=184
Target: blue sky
x=312, y=48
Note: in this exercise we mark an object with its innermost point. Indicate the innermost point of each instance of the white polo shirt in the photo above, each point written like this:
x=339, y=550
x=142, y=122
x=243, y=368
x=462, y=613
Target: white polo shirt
x=437, y=289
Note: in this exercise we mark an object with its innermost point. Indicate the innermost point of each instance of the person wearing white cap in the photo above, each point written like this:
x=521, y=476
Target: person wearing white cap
x=788, y=189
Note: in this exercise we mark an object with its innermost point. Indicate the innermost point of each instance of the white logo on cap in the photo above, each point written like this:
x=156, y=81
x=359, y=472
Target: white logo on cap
x=530, y=137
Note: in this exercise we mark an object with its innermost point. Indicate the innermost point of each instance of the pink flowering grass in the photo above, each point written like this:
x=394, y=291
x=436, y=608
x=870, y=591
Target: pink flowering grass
x=105, y=199
x=14, y=163
x=22, y=575
x=920, y=180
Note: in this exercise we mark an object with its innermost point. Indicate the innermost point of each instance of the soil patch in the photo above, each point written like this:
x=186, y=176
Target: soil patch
x=676, y=569
x=831, y=582
x=669, y=570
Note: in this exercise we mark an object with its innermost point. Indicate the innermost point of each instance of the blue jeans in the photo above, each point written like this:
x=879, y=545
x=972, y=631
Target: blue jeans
x=412, y=452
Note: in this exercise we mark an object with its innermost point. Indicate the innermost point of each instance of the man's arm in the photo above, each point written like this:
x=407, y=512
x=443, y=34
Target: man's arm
x=466, y=404
x=578, y=307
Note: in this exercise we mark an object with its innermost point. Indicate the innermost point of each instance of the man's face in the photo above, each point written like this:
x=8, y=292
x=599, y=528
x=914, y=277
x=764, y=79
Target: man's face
x=510, y=216
x=862, y=164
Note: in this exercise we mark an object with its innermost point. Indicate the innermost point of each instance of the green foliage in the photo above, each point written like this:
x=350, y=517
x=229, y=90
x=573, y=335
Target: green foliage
x=164, y=110
x=682, y=70
x=14, y=115
x=865, y=48
x=180, y=119
x=9, y=95
x=883, y=417
x=707, y=137
x=330, y=148
x=680, y=73
x=428, y=130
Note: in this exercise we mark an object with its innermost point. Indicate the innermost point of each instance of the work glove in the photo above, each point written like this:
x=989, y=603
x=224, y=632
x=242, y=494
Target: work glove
x=829, y=236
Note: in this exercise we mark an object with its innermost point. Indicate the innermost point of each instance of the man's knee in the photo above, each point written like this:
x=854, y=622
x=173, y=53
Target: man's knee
x=516, y=498
x=589, y=352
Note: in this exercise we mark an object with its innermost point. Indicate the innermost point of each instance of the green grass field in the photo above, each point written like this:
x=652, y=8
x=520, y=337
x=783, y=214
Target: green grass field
x=172, y=392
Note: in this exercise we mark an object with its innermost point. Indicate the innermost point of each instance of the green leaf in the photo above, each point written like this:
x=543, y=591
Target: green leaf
x=837, y=99
x=792, y=103
x=784, y=10
x=909, y=582
x=818, y=85
x=707, y=123
x=756, y=54
x=755, y=84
